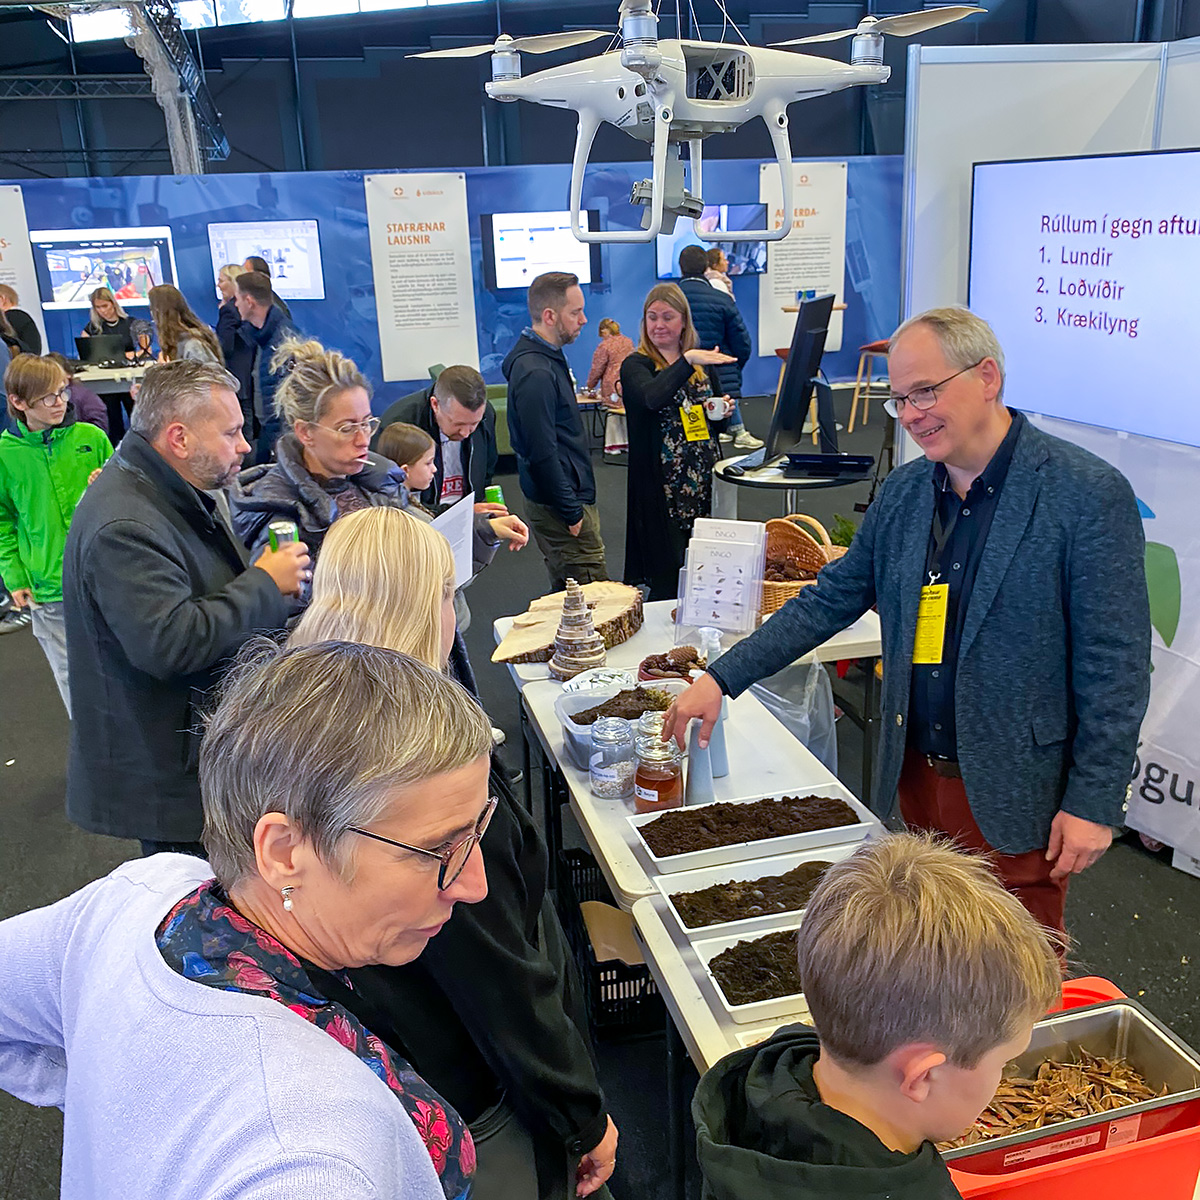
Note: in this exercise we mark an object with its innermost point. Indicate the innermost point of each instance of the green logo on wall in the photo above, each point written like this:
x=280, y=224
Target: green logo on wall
x=1163, y=584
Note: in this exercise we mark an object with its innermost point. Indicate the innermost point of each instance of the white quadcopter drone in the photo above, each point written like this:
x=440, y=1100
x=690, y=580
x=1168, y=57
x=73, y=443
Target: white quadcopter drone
x=669, y=92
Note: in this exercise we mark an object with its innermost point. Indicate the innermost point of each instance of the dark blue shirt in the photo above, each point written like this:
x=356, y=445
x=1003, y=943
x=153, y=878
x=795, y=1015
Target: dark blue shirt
x=964, y=524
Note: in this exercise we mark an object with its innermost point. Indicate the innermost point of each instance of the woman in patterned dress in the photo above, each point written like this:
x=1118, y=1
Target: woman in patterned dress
x=674, y=421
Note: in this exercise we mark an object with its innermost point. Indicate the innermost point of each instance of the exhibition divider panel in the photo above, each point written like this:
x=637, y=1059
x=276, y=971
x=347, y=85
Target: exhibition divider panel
x=314, y=227
x=1037, y=102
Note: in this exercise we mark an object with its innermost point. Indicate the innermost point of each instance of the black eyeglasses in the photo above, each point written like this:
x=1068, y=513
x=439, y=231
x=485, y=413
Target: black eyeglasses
x=923, y=397
x=453, y=859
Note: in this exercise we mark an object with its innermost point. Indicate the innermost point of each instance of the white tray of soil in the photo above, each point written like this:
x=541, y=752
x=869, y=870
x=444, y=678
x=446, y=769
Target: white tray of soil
x=804, y=819
x=778, y=888
x=765, y=984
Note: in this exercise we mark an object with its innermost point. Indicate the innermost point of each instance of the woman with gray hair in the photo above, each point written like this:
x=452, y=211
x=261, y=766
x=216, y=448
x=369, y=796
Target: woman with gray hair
x=345, y=791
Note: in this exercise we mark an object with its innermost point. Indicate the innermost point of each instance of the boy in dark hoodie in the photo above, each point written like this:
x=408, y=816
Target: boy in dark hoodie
x=924, y=978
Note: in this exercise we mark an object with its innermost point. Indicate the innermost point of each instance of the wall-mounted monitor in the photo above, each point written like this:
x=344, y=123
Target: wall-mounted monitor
x=518, y=247
x=1086, y=269
x=293, y=249
x=745, y=258
x=72, y=263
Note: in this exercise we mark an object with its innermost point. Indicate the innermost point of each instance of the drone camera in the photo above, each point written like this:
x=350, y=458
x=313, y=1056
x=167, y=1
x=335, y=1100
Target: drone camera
x=867, y=50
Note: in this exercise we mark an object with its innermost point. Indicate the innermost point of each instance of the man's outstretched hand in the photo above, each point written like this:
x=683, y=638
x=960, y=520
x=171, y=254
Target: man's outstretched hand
x=702, y=701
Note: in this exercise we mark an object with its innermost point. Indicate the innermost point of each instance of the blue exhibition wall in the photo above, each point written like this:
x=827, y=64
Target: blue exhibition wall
x=346, y=317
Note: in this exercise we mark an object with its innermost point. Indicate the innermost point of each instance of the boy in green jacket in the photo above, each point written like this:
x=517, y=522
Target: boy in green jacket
x=924, y=977
x=47, y=458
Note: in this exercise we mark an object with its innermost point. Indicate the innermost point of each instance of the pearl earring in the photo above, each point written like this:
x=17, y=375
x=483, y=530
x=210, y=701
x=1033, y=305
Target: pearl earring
x=287, y=898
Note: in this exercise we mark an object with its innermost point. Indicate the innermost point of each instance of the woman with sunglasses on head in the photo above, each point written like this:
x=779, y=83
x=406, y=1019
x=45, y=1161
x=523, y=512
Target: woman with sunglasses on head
x=493, y=1015
x=177, y=1018
x=324, y=468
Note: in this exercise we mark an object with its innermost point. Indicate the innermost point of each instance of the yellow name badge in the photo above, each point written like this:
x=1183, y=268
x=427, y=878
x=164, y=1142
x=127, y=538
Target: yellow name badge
x=931, y=623
x=695, y=427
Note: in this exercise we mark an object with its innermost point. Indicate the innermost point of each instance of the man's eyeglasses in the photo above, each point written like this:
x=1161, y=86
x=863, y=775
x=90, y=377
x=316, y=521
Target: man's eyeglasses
x=923, y=397
x=454, y=858
x=61, y=396
x=347, y=429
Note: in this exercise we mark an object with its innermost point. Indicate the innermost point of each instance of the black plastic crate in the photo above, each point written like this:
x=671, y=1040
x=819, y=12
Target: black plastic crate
x=622, y=1001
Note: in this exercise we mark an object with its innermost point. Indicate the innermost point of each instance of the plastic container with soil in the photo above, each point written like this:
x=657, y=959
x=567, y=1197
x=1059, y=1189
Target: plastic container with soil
x=622, y=1000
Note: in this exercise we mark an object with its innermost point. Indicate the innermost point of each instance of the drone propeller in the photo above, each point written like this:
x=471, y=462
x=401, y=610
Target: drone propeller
x=542, y=43
x=904, y=25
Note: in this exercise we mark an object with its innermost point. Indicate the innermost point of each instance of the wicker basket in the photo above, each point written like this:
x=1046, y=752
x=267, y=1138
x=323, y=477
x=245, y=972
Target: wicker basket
x=786, y=539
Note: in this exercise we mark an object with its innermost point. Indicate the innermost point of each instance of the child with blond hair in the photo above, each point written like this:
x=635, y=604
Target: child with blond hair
x=923, y=977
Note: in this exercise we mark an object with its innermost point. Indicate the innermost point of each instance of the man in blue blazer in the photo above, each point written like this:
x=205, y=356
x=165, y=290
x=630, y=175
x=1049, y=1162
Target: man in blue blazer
x=1008, y=569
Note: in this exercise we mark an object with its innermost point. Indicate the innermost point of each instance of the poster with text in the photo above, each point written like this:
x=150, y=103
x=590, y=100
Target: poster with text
x=1164, y=800
x=811, y=258
x=421, y=260
x=16, y=257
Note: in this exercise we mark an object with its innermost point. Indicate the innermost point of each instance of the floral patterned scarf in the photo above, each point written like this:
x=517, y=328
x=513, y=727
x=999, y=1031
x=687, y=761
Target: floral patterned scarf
x=205, y=939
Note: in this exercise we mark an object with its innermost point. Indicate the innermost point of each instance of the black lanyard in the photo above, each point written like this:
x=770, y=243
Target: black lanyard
x=941, y=535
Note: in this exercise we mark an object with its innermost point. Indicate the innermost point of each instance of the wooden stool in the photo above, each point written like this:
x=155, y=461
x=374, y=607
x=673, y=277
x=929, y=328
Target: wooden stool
x=862, y=385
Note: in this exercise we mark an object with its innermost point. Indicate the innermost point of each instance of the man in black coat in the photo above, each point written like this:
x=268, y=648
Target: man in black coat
x=553, y=461
x=158, y=596
x=266, y=327
x=719, y=326
x=454, y=412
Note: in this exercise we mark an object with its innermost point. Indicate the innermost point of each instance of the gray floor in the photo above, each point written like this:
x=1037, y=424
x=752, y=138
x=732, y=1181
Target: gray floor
x=1133, y=917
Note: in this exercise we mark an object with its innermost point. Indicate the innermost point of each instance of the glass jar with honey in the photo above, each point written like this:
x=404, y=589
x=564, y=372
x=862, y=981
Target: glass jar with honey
x=658, y=782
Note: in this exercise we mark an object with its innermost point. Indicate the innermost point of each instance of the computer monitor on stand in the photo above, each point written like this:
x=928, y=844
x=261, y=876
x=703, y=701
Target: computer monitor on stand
x=800, y=377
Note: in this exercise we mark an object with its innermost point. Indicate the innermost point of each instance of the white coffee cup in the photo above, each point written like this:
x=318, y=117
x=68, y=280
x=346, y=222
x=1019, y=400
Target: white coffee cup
x=718, y=407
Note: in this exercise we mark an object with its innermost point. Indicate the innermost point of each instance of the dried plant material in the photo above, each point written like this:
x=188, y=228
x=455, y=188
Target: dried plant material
x=1060, y=1091
x=629, y=705
x=677, y=663
x=742, y=898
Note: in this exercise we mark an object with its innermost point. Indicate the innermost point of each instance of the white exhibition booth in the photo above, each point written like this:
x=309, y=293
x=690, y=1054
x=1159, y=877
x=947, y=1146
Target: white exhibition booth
x=970, y=104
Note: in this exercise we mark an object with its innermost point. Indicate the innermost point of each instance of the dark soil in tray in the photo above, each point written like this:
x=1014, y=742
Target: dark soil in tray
x=727, y=824
x=629, y=704
x=759, y=970
x=739, y=899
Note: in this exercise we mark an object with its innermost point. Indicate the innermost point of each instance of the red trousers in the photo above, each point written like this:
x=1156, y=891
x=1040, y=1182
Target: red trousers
x=932, y=803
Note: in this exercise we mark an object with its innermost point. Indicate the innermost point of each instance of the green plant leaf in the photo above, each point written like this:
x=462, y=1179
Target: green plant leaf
x=1166, y=592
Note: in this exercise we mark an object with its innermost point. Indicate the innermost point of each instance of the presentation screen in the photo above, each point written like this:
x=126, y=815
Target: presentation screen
x=72, y=263
x=1084, y=267
x=745, y=258
x=293, y=248
x=518, y=247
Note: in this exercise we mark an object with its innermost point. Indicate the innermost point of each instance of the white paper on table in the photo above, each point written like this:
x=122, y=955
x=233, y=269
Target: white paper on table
x=457, y=526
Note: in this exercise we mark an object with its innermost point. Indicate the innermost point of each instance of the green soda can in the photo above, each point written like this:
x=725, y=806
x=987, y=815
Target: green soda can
x=279, y=533
x=494, y=494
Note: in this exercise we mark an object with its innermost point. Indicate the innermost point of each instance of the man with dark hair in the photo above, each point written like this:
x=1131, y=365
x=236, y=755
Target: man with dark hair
x=255, y=263
x=265, y=326
x=719, y=326
x=158, y=594
x=553, y=461
x=454, y=412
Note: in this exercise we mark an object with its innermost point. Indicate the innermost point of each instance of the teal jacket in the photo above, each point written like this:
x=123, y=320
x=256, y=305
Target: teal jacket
x=42, y=476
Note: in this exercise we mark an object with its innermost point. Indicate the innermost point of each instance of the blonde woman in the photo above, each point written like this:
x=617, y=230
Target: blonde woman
x=666, y=384
x=323, y=466
x=520, y=1072
x=181, y=334
x=109, y=319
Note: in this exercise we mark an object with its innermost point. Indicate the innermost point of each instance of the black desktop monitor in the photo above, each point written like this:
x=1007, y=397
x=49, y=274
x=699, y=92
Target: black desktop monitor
x=799, y=379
